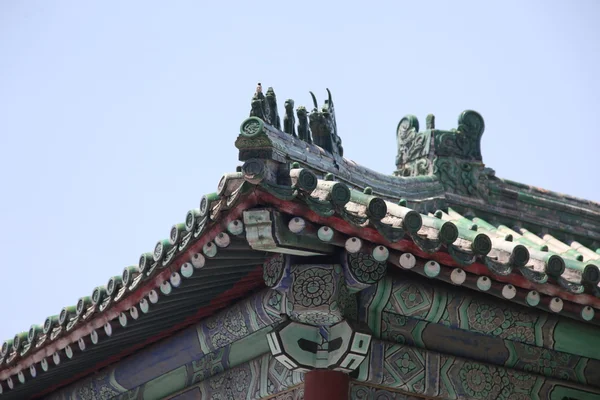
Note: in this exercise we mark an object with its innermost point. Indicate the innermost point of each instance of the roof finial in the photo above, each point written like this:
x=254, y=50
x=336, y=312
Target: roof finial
x=430, y=122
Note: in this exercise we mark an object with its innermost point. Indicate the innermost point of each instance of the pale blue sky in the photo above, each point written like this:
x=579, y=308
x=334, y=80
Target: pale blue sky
x=116, y=117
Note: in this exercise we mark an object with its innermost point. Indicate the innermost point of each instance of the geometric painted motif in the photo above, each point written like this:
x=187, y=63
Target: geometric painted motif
x=194, y=354
x=361, y=391
x=412, y=299
x=426, y=373
x=441, y=318
x=262, y=377
x=210, y=365
x=296, y=393
x=302, y=348
x=239, y=320
x=406, y=365
x=559, y=365
x=445, y=304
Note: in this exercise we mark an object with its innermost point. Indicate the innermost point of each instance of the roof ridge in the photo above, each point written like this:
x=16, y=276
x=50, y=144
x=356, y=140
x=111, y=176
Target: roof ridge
x=581, y=202
x=435, y=168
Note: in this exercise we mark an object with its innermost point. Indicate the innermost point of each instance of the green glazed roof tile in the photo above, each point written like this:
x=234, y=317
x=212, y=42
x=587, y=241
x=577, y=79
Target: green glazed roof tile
x=503, y=250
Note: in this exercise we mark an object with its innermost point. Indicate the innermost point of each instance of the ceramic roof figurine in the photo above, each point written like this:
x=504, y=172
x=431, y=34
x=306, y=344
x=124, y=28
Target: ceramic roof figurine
x=306, y=275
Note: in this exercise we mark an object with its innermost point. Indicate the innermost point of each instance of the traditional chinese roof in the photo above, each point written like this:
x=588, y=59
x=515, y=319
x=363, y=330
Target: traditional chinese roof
x=442, y=214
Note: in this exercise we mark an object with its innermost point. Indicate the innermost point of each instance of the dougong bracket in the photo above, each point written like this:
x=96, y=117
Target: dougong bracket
x=319, y=291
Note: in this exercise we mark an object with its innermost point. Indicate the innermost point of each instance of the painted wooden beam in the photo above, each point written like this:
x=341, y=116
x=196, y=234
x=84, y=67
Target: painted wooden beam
x=182, y=355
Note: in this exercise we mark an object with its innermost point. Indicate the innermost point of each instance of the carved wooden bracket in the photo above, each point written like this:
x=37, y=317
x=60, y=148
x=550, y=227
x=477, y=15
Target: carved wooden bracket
x=267, y=230
x=318, y=291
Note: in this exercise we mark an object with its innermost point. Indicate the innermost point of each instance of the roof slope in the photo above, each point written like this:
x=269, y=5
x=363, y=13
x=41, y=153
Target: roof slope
x=443, y=215
x=203, y=266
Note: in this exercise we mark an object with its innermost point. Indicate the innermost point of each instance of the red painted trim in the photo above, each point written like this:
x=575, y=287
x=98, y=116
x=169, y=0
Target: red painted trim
x=406, y=245
x=134, y=298
x=252, y=281
x=322, y=384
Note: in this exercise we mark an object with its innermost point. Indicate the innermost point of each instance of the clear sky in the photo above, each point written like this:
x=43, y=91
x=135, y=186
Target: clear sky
x=117, y=116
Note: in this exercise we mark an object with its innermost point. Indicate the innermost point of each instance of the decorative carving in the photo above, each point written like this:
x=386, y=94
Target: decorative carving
x=437, y=375
x=313, y=286
x=454, y=156
x=471, y=124
x=465, y=178
x=412, y=145
x=523, y=338
x=303, y=128
x=316, y=294
x=274, y=114
x=259, y=106
x=251, y=133
x=465, y=142
x=430, y=122
x=324, y=127
x=289, y=120
x=321, y=294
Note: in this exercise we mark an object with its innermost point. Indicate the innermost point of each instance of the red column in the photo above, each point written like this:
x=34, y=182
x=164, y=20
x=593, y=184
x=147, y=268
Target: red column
x=322, y=384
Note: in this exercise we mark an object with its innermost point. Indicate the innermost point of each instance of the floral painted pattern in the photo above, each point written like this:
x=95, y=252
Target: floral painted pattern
x=313, y=287
x=366, y=269
x=318, y=318
x=412, y=296
x=482, y=382
x=506, y=323
x=273, y=270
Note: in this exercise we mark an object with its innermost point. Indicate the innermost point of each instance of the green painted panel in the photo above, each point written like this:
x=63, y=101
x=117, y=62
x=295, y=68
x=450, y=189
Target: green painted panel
x=250, y=347
x=166, y=384
x=577, y=338
x=562, y=393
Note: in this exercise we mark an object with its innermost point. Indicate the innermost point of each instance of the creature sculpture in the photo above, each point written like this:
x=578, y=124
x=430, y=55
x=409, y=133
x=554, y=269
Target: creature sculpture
x=318, y=127
x=260, y=106
x=272, y=102
x=303, y=129
x=324, y=127
x=289, y=120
